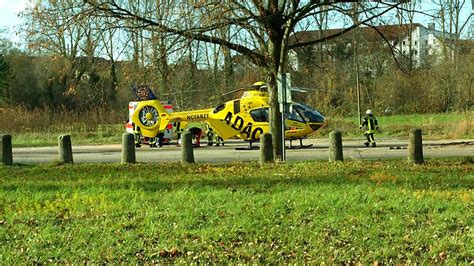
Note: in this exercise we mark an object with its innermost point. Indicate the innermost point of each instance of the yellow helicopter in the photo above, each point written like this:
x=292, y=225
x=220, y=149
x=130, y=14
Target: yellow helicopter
x=246, y=118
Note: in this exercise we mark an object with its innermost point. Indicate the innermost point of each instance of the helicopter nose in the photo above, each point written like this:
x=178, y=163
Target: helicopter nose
x=314, y=117
x=315, y=126
x=317, y=121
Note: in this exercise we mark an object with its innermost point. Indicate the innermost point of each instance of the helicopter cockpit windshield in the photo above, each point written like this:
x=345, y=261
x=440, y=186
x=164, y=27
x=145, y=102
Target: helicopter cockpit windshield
x=300, y=113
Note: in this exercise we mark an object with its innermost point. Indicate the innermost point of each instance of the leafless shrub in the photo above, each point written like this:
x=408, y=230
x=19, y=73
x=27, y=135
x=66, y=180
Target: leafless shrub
x=21, y=119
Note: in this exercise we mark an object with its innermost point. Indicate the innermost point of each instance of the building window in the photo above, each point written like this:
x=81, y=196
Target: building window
x=403, y=43
x=416, y=43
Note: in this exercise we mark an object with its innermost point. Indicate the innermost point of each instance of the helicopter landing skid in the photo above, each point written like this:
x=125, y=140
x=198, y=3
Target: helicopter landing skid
x=249, y=148
x=301, y=146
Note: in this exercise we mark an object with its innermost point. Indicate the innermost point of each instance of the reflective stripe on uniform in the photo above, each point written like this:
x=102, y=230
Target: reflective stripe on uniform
x=371, y=124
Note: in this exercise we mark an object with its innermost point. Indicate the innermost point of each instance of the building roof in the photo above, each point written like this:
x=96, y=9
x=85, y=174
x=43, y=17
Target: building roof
x=392, y=33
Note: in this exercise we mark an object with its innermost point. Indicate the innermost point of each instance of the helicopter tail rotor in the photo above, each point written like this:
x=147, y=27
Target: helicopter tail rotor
x=151, y=117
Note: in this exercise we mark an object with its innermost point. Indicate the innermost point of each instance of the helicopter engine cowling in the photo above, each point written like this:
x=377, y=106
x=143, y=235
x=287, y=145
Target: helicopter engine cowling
x=151, y=117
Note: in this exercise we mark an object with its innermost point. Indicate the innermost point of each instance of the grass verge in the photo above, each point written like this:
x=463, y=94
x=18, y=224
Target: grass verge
x=434, y=126
x=312, y=212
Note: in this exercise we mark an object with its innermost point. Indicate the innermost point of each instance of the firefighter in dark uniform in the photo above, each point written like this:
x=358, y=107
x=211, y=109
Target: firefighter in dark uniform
x=152, y=142
x=178, y=129
x=160, y=137
x=137, y=135
x=219, y=140
x=210, y=135
x=370, y=124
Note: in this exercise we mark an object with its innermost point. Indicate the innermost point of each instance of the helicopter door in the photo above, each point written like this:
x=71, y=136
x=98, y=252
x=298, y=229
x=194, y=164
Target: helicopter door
x=295, y=125
x=295, y=117
x=259, y=118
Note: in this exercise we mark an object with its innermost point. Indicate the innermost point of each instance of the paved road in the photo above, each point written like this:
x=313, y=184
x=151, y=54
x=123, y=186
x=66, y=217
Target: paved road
x=353, y=149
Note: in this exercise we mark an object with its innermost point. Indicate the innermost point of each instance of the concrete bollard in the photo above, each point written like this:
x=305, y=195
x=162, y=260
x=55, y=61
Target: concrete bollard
x=187, y=152
x=335, y=146
x=6, y=155
x=415, y=147
x=65, y=149
x=128, y=148
x=266, y=148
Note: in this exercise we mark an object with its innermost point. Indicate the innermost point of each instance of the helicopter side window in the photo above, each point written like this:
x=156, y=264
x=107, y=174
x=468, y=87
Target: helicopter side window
x=259, y=115
x=295, y=116
x=219, y=108
x=313, y=116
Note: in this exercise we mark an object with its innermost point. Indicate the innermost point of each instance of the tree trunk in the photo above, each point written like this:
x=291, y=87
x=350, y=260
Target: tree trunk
x=112, y=97
x=160, y=61
x=276, y=66
x=275, y=118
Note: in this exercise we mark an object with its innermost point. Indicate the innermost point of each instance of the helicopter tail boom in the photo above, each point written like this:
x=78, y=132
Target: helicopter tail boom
x=152, y=117
x=191, y=116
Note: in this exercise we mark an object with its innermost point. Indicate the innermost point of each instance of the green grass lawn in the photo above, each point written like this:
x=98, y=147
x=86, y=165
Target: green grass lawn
x=41, y=139
x=103, y=134
x=312, y=212
x=434, y=126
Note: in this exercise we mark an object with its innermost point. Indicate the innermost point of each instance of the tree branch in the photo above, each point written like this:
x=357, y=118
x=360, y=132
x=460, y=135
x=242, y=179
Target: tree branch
x=342, y=32
x=194, y=34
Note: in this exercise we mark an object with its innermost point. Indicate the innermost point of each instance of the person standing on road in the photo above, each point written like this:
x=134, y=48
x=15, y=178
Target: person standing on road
x=210, y=136
x=213, y=137
x=196, y=132
x=370, y=124
x=152, y=142
x=219, y=140
x=179, y=129
x=137, y=134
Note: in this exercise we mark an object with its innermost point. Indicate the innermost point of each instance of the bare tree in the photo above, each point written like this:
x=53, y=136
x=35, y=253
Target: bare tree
x=406, y=16
x=49, y=31
x=49, y=28
x=448, y=15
